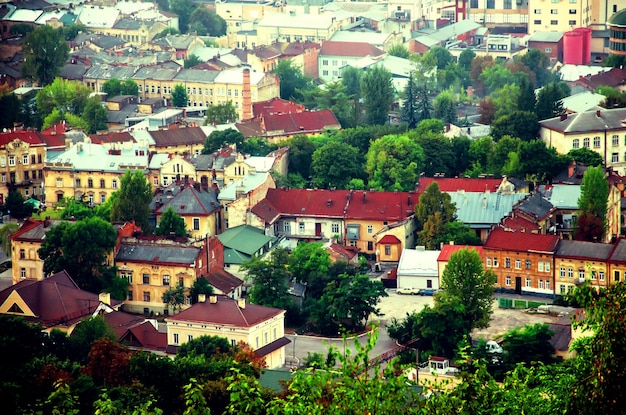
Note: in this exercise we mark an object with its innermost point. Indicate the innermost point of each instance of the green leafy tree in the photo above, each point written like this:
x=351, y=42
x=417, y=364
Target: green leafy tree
x=221, y=138
x=424, y=106
x=174, y=297
x=183, y=8
x=438, y=154
x=466, y=284
x=167, y=31
x=269, y=280
x=393, y=163
x=465, y=59
x=539, y=162
x=291, y=80
x=594, y=196
x=70, y=32
x=522, y=124
x=307, y=260
x=506, y=100
x=164, y=5
x=179, y=96
x=445, y=107
x=15, y=206
x=335, y=164
x=335, y=98
x=129, y=87
x=549, y=102
x=400, y=51
x=221, y=114
x=526, y=100
x=205, y=22
x=45, y=52
x=409, y=113
x=86, y=333
x=133, y=200
x=112, y=87
x=67, y=97
x=500, y=154
x=378, y=93
x=6, y=230
x=21, y=29
x=200, y=286
x=96, y=116
x=539, y=63
x=171, y=223
x=586, y=156
x=349, y=300
x=301, y=151
x=351, y=78
x=81, y=249
x=192, y=60
x=442, y=56
x=257, y=146
x=478, y=66
x=433, y=212
x=528, y=344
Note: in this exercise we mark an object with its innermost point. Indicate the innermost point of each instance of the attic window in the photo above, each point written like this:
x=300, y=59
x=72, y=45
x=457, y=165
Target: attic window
x=15, y=309
x=182, y=207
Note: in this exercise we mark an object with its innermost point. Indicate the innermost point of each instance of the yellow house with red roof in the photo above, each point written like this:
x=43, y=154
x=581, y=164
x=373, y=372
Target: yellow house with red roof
x=448, y=250
x=262, y=328
x=22, y=158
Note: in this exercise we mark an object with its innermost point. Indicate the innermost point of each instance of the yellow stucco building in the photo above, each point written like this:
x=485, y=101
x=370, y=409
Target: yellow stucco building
x=91, y=171
x=25, y=243
x=22, y=158
x=262, y=328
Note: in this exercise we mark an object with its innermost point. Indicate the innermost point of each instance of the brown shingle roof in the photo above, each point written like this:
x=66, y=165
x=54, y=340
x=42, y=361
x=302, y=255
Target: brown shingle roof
x=353, y=49
x=227, y=312
x=178, y=136
x=223, y=280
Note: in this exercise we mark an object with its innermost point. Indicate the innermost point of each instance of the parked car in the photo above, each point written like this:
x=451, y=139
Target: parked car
x=427, y=291
x=408, y=291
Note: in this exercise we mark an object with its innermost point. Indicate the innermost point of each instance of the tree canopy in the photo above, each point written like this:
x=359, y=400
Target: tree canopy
x=378, y=92
x=45, y=52
x=171, y=223
x=179, y=96
x=335, y=164
x=132, y=202
x=593, y=200
x=393, y=162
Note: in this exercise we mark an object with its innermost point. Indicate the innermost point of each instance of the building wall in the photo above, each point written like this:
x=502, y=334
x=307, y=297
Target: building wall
x=305, y=227
x=237, y=212
x=61, y=180
x=179, y=332
x=553, y=49
x=617, y=272
x=613, y=155
x=561, y=16
x=537, y=278
x=192, y=148
x=411, y=281
x=499, y=12
x=571, y=271
x=26, y=261
x=329, y=67
x=266, y=35
x=149, y=297
x=136, y=37
x=174, y=168
x=200, y=226
x=23, y=165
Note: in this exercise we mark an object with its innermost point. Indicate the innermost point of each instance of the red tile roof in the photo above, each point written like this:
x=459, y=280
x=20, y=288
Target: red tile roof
x=341, y=252
x=301, y=122
x=353, y=49
x=31, y=137
x=502, y=240
x=146, y=336
x=276, y=106
x=55, y=300
x=227, y=312
x=381, y=206
x=223, y=280
x=389, y=240
x=614, y=77
x=453, y=184
x=519, y=224
x=448, y=250
x=303, y=202
x=121, y=322
x=178, y=136
x=357, y=205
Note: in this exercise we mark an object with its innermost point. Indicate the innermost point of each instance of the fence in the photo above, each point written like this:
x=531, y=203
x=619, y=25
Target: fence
x=519, y=303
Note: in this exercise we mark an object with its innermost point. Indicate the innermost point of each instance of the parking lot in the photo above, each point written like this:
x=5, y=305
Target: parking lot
x=502, y=320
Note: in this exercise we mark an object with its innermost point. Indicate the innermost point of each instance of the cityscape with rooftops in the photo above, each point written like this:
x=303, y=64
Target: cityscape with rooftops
x=312, y=206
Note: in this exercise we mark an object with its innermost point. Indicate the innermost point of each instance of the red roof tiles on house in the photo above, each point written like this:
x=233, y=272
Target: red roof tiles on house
x=448, y=250
x=223, y=280
x=178, y=136
x=146, y=336
x=301, y=121
x=31, y=137
x=112, y=137
x=353, y=49
x=453, y=184
x=519, y=224
x=502, y=240
x=276, y=106
x=227, y=312
x=389, y=240
x=382, y=206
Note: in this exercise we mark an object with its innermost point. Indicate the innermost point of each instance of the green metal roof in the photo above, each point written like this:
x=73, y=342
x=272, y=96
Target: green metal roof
x=233, y=257
x=618, y=19
x=246, y=239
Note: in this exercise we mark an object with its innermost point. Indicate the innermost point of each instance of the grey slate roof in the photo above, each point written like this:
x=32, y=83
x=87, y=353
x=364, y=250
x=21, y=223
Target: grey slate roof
x=565, y=196
x=196, y=75
x=535, y=205
x=619, y=253
x=157, y=253
x=154, y=72
x=582, y=249
x=190, y=201
x=546, y=36
x=588, y=121
x=103, y=71
x=212, y=161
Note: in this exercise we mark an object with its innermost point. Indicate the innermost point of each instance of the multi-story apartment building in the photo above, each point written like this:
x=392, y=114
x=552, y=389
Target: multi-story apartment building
x=523, y=262
x=491, y=13
x=601, y=130
x=91, y=171
x=577, y=261
x=297, y=27
x=603, y=13
x=25, y=243
x=262, y=328
x=559, y=15
x=156, y=265
x=240, y=196
x=22, y=158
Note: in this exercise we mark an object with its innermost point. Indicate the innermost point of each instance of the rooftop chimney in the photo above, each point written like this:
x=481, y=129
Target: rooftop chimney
x=105, y=298
x=201, y=298
x=246, y=96
x=563, y=117
x=571, y=169
x=213, y=299
x=241, y=303
x=598, y=113
x=364, y=197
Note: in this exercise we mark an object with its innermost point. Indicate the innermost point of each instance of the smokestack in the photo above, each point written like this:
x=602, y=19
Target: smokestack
x=247, y=96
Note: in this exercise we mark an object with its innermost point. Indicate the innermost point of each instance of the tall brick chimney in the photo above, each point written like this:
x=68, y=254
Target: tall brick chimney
x=247, y=96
